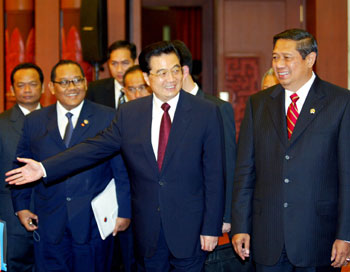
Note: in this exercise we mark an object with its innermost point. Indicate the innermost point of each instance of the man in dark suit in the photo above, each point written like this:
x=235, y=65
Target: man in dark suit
x=291, y=194
x=108, y=92
x=27, y=87
x=229, y=129
x=176, y=176
x=67, y=235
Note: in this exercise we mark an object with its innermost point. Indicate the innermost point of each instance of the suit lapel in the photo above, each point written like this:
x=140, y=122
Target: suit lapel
x=110, y=97
x=83, y=124
x=312, y=106
x=17, y=118
x=179, y=127
x=145, y=128
x=52, y=126
x=277, y=113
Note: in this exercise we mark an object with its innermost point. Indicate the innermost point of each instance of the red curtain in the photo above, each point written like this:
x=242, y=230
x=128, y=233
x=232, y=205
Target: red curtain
x=189, y=29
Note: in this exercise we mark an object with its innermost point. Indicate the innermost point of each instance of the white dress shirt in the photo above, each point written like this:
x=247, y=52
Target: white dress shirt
x=302, y=93
x=117, y=92
x=26, y=111
x=62, y=119
x=195, y=90
x=157, y=114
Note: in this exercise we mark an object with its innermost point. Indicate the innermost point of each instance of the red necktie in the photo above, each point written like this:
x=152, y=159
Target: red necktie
x=164, y=131
x=292, y=114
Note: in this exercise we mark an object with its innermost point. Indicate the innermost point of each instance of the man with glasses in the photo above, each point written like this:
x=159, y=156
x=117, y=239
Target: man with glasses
x=172, y=145
x=66, y=233
x=135, y=85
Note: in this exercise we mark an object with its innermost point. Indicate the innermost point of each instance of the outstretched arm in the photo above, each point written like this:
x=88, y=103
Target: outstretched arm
x=30, y=172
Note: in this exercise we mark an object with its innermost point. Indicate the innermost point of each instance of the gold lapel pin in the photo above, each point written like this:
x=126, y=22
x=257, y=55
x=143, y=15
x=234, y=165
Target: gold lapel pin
x=84, y=123
x=312, y=111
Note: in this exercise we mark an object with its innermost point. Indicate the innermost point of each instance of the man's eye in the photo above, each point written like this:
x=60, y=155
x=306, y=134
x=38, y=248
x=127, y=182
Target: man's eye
x=125, y=63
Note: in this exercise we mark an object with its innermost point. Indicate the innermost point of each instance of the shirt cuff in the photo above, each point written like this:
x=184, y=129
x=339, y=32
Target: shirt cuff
x=43, y=168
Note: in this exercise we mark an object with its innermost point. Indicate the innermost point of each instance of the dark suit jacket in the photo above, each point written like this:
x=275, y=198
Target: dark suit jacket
x=20, y=242
x=294, y=193
x=102, y=92
x=11, y=123
x=229, y=128
x=61, y=203
x=186, y=196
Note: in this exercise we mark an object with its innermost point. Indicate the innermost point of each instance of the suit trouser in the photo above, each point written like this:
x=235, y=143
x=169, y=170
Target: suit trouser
x=284, y=265
x=20, y=253
x=68, y=255
x=163, y=260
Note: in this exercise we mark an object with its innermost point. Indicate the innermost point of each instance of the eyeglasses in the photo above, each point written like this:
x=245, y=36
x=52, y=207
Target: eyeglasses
x=65, y=83
x=140, y=88
x=163, y=74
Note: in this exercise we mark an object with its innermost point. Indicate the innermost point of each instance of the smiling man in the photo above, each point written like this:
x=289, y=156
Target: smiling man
x=172, y=145
x=67, y=235
x=291, y=195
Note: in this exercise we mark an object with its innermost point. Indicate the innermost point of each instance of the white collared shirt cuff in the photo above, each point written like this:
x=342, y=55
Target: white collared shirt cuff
x=43, y=168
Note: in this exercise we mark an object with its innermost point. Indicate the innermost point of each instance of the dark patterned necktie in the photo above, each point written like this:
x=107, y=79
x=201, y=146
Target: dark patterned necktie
x=69, y=129
x=121, y=99
x=164, y=131
x=292, y=114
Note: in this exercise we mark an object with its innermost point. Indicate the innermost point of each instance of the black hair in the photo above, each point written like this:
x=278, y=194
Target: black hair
x=122, y=44
x=185, y=54
x=155, y=49
x=27, y=65
x=131, y=70
x=306, y=43
x=64, y=62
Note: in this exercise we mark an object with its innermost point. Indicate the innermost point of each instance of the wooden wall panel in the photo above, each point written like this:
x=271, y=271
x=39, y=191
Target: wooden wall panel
x=47, y=41
x=2, y=62
x=116, y=26
x=331, y=35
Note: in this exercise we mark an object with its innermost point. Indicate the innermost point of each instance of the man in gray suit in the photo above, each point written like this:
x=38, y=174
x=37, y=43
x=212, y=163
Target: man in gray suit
x=27, y=87
x=292, y=182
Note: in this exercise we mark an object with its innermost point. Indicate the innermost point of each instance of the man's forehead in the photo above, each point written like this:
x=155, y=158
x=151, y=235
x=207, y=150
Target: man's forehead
x=170, y=59
x=120, y=53
x=285, y=44
x=68, y=70
x=26, y=72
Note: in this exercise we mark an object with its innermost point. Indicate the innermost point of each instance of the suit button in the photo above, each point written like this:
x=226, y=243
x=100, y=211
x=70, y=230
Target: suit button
x=287, y=157
x=158, y=209
x=286, y=180
x=285, y=204
x=68, y=199
x=161, y=183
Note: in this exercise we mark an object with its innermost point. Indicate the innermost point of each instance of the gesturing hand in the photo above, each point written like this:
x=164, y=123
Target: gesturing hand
x=31, y=172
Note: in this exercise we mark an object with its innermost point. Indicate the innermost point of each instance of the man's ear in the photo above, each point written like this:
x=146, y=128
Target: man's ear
x=311, y=59
x=185, y=71
x=12, y=90
x=51, y=88
x=146, y=78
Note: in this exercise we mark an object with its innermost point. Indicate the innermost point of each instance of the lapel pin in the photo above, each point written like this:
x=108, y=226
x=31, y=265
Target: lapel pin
x=86, y=122
x=312, y=111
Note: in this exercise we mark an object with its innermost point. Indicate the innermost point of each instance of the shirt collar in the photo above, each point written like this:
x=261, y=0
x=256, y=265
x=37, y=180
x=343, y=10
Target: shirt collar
x=172, y=102
x=61, y=111
x=303, y=90
x=194, y=91
x=26, y=111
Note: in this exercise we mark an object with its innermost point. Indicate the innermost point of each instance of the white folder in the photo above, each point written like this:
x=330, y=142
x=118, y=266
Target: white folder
x=105, y=208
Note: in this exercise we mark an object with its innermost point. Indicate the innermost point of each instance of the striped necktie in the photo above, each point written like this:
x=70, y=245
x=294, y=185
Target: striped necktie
x=292, y=114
